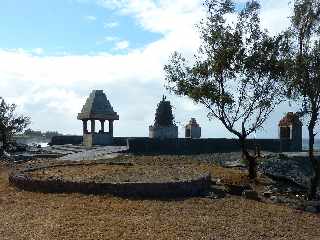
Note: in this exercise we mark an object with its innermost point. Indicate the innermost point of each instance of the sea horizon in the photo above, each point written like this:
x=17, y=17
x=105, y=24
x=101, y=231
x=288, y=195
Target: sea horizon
x=305, y=143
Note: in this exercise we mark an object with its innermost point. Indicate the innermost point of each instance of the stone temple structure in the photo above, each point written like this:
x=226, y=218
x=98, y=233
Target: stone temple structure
x=97, y=108
x=290, y=128
x=192, y=129
x=164, y=126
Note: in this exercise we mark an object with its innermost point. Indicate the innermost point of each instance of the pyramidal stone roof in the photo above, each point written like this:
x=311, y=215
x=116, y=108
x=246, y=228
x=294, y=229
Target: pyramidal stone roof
x=290, y=119
x=97, y=107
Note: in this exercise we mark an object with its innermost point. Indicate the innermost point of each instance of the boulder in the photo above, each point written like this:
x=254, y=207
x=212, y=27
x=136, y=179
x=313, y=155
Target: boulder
x=267, y=194
x=251, y=194
x=218, y=191
x=237, y=189
x=274, y=199
x=311, y=209
x=295, y=170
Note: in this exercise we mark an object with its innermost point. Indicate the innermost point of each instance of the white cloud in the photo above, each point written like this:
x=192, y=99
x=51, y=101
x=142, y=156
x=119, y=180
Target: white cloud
x=52, y=89
x=122, y=45
x=38, y=51
x=90, y=18
x=107, y=39
x=111, y=38
x=275, y=15
x=159, y=16
x=132, y=81
x=111, y=24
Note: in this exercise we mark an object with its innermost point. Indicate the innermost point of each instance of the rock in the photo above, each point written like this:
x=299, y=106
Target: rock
x=311, y=209
x=220, y=191
x=295, y=170
x=216, y=181
x=267, y=194
x=22, y=158
x=314, y=203
x=283, y=199
x=21, y=147
x=311, y=206
x=212, y=195
x=251, y=194
x=234, y=164
x=237, y=189
x=6, y=154
x=274, y=199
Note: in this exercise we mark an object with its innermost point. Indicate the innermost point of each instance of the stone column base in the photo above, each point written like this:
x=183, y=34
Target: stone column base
x=101, y=139
x=163, y=132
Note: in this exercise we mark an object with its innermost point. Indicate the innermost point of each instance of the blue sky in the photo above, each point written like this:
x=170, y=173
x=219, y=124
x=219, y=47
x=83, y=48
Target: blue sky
x=53, y=53
x=66, y=26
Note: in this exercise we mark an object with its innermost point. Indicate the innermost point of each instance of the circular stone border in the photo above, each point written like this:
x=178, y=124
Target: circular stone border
x=170, y=189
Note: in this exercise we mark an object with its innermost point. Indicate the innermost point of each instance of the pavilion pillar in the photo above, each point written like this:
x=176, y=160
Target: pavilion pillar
x=111, y=127
x=93, y=126
x=85, y=126
x=102, y=126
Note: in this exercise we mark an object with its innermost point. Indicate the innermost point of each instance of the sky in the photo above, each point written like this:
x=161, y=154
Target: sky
x=54, y=53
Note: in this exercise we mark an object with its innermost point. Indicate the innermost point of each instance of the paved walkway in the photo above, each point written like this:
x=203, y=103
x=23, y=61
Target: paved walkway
x=80, y=153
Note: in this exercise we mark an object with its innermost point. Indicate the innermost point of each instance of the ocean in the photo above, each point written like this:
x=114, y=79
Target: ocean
x=305, y=143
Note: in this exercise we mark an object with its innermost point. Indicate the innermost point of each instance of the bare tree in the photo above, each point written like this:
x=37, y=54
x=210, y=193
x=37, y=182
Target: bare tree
x=236, y=73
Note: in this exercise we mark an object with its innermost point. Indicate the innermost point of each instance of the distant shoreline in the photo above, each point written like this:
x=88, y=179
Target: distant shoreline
x=305, y=143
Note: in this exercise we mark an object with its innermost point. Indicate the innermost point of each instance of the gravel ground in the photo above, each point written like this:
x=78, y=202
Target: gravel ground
x=27, y=215
x=121, y=173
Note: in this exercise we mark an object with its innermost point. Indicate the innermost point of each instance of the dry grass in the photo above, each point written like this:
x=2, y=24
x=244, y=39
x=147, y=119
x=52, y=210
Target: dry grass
x=26, y=215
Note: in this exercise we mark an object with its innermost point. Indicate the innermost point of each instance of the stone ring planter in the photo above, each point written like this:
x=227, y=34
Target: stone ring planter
x=185, y=185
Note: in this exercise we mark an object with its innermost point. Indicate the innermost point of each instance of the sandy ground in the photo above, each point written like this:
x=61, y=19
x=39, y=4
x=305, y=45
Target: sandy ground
x=27, y=215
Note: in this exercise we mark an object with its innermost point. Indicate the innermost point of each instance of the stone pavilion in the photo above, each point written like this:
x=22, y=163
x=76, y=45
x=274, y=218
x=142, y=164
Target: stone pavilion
x=97, y=108
x=290, y=128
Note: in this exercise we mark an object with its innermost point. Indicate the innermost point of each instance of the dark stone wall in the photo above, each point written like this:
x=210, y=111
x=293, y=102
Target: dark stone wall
x=62, y=140
x=196, y=146
x=144, y=145
x=120, y=141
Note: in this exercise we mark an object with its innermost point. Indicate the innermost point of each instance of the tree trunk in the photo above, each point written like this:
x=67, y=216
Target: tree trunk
x=315, y=163
x=5, y=141
x=252, y=163
x=2, y=139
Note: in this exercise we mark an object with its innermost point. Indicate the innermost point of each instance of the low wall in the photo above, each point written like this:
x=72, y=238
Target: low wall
x=120, y=141
x=145, y=145
x=172, y=189
x=63, y=140
x=76, y=140
x=197, y=146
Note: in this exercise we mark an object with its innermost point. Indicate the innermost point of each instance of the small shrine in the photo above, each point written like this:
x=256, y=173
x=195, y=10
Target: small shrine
x=290, y=128
x=97, y=108
x=192, y=129
x=163, y=124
